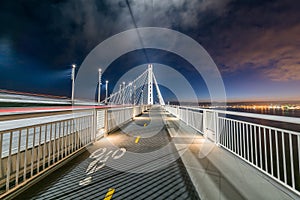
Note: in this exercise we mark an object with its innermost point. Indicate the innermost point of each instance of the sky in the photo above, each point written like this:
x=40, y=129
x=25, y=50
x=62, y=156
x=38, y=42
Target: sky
x=255, y=44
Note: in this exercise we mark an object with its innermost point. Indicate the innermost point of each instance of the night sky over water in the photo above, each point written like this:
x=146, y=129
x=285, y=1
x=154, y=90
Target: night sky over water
x=255, y=44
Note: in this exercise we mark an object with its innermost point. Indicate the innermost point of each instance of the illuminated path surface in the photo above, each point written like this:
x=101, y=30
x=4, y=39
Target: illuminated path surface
x=170, y=181
x=136, y=166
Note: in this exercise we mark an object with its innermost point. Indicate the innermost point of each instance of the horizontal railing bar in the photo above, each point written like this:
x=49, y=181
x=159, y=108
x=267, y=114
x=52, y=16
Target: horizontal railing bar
x=38, y=143
x=29, y=122
x=119, y=108
x=269, y=149
x=32, y=134
x=263, y=171
x=32, y=127
x=294, y=120
x=42, y=110
x=262, y=126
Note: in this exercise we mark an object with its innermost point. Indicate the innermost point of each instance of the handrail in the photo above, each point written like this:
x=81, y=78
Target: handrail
x=286, y=119
x=32, y=110
x=275, y=151
x=30, y=146
x=29, y=122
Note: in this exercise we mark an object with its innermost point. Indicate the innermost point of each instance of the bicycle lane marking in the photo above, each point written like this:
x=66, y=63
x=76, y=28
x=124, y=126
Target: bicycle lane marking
x=100, y=157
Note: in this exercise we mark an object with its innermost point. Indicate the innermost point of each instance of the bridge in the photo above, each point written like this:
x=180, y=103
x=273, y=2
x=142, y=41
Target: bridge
x=127, y=147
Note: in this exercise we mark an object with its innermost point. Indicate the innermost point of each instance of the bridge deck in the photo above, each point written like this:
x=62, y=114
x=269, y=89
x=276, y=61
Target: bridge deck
x=149, y=169
x=141, y=161
x=217, y=173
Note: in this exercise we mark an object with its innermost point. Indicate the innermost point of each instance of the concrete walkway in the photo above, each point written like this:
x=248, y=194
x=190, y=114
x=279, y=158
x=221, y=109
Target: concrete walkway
x=218, y=174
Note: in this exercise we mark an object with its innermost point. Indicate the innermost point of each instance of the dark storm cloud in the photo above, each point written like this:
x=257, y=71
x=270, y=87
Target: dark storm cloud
x=56, y=31
x=239, y=34
x=94, y=20
x=59, y=31
x=44, y=37
x=261, y=35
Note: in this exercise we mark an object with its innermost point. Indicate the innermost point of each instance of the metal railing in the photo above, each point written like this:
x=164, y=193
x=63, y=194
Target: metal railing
x=31, y=145
x=273, y=150
x=118, y=116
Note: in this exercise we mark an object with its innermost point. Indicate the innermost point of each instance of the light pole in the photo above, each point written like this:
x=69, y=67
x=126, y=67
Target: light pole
x=106, y=91
x=99, y=84
x=73, y=82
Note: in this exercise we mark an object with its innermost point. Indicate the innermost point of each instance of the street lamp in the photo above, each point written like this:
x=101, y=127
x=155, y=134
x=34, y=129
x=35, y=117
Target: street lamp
x=73, y=82
x=106, y=91
x=99, y=84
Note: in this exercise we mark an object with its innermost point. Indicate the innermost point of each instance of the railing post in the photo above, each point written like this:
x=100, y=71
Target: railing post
x=106, y=123
x=133, y=111
x=187, y=116
x=217, y=134
x=95, y=124
x=204, y=124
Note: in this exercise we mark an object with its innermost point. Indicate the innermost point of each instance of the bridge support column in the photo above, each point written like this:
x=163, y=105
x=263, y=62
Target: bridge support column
x=150, y=85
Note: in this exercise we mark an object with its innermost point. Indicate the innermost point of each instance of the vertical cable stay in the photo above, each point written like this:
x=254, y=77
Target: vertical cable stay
x=160, y=98
x=137, y=30
x=137, y=92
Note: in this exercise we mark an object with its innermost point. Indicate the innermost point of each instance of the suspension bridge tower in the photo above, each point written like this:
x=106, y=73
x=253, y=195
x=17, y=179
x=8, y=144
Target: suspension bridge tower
x=150, y=85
